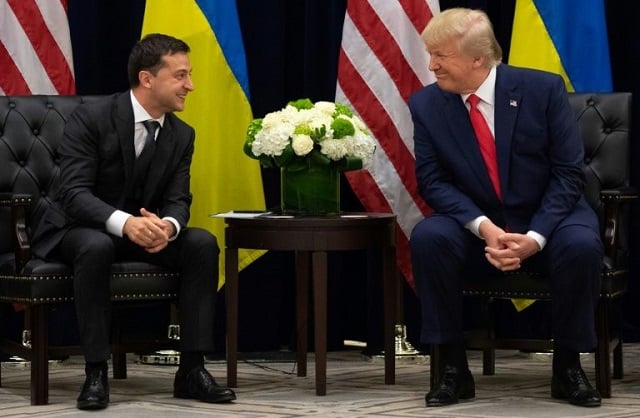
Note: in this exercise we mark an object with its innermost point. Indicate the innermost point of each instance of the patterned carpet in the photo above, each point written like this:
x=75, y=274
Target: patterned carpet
x=268, y=387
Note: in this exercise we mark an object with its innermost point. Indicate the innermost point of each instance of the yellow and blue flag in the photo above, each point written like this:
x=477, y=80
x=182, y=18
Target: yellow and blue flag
x=222, y=177
x=567, y=37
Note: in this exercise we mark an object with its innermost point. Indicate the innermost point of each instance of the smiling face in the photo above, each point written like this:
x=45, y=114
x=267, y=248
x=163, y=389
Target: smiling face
x=166, y=90
x=455, y=71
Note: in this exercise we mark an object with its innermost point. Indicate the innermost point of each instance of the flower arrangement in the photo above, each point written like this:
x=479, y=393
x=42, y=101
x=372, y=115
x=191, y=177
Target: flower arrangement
x=304, y=133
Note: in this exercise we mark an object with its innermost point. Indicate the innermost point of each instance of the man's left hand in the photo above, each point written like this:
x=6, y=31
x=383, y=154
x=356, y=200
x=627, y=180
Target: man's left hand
x=515, y=249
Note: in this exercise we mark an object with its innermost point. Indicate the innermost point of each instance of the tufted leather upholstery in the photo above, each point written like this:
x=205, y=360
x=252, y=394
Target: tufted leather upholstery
x=30, y=130
x=604, y=121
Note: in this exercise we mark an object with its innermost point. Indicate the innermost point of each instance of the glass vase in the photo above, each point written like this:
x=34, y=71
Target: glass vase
x=313, y=191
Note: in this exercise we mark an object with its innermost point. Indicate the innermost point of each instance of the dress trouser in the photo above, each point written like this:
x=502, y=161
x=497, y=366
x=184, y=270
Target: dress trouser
x=442, y=252
x=194, y=253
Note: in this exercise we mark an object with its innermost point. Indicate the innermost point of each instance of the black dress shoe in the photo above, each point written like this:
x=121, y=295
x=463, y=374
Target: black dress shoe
x=572, y=384
x=454, y=384
x=95, y=390
x=199, y=384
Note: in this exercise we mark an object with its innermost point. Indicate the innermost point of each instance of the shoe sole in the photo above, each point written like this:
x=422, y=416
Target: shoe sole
x=92, y=405
x=221, y=399
x=461, y=397
x=563, y=397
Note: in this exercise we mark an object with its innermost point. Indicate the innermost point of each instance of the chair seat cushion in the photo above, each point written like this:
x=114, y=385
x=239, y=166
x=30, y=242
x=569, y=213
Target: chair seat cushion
x=529, y=285
x=52, y=282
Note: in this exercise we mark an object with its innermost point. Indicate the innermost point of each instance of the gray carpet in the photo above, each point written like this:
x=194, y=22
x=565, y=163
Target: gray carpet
x=355, y=388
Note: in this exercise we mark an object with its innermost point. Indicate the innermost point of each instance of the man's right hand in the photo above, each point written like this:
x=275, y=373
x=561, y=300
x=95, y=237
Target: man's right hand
x=146, y=231
x=497, y=252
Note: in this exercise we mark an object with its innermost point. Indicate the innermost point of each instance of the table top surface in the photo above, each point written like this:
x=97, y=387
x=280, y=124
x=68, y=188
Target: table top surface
x=245, y=218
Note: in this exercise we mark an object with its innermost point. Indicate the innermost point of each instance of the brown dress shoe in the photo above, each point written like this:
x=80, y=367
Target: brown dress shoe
x=454, y=384
x=199, y=384
x=572, y=384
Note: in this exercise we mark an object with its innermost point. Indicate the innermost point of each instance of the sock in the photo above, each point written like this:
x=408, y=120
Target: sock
x=189, y=360
x=95, y=365
x=564, y=358
x=455, y=355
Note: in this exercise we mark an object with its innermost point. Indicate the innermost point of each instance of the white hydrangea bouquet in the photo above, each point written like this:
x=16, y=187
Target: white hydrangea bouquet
x=305, y=132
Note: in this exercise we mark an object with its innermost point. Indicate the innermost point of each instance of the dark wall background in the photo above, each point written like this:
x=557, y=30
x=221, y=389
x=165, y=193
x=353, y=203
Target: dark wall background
x=292, y=49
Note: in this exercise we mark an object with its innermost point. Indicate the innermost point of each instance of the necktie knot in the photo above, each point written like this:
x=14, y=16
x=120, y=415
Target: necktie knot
x=151, y=126
x=473, y=100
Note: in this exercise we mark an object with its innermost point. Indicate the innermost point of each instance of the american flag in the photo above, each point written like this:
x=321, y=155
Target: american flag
x=382, y=61
x=35, y=48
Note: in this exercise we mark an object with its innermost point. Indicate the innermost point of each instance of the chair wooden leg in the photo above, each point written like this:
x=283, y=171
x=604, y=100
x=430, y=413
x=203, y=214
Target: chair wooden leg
x=618, y=368
x=603, y=350
x=39, y=355
x=489, y=361
x=119, y=361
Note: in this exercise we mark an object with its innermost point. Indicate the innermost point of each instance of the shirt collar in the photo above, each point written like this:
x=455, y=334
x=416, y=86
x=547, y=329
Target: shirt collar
x=140, y=114
x=487, y=90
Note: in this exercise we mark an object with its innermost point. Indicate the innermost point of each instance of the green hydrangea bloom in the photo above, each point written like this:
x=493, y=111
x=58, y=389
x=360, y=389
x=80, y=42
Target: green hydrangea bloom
x=301, y=104
x=302, y=130
x=342, y=110
x=342, y=127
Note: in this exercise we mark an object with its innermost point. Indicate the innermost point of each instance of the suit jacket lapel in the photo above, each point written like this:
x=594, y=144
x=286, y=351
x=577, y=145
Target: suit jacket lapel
x=507, y=101
x=123, y=115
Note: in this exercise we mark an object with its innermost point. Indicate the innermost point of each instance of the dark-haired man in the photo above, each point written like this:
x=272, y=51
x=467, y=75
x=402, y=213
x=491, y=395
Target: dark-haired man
x=124, y=193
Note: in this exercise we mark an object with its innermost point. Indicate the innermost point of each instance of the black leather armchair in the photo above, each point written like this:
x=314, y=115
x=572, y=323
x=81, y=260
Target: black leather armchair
x=30, y=129
x=604, y=121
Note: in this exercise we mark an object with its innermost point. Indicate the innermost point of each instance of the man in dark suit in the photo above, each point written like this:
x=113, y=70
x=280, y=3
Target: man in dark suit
x=526, y=211
x=124, y=193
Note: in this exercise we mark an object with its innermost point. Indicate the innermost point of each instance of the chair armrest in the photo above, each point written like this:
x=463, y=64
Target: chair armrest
x=613, y=200
x=20, y=237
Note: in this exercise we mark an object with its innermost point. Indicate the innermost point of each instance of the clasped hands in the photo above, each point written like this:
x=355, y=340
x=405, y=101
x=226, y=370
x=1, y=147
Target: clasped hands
x=149, y=231
x=504, y=250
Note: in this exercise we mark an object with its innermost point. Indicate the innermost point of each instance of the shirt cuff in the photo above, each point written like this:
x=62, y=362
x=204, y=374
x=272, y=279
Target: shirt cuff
x=175, y=223
x=542, y=241
x=115, y=223
x=474, y=225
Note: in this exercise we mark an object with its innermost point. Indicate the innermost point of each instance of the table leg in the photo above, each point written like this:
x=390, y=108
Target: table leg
x=319, y=262
x=302, y=309
x=389, y=286
x=231, y=289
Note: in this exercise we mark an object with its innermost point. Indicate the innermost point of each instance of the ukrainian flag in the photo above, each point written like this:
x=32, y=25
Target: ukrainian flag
x=222, y=177
x=567, y=37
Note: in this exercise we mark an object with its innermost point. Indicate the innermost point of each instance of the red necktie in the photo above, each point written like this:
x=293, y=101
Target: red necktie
x=486, y=142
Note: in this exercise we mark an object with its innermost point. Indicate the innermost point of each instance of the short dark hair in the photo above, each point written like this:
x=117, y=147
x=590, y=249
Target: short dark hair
x=147, y=54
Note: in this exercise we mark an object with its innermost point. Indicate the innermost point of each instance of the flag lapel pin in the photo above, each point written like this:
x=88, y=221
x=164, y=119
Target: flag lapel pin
x=513, y=103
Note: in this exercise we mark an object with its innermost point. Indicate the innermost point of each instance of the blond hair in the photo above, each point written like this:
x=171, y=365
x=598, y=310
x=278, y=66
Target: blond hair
x=472, y=29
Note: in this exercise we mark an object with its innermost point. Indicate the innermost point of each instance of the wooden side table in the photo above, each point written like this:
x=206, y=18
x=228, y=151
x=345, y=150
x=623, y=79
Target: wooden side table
x=311, y=238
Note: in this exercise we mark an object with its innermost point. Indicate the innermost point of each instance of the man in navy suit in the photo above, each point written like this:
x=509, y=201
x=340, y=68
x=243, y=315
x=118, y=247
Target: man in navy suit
x=124, y=194
x=533, y=214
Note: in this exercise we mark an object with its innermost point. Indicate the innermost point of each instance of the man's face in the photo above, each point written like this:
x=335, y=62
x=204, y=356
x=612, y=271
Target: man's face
x=454, y=70
x=172, y=83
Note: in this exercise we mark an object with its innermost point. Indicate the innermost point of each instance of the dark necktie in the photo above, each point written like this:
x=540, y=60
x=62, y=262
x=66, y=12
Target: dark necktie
x=150, y=140
x=486, y=142
x=146, y=155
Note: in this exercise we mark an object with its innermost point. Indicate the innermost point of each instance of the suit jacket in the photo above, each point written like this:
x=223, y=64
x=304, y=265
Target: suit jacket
x=97, y=165
x=539, y=151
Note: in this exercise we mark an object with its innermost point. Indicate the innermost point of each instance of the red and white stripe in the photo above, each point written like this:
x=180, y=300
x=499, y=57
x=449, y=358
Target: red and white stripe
x=382, y=61
x=35, y=48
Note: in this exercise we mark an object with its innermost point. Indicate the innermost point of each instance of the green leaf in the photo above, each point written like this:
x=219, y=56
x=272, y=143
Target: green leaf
x=349, y=163
x=318, y=157
x=286, y=155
